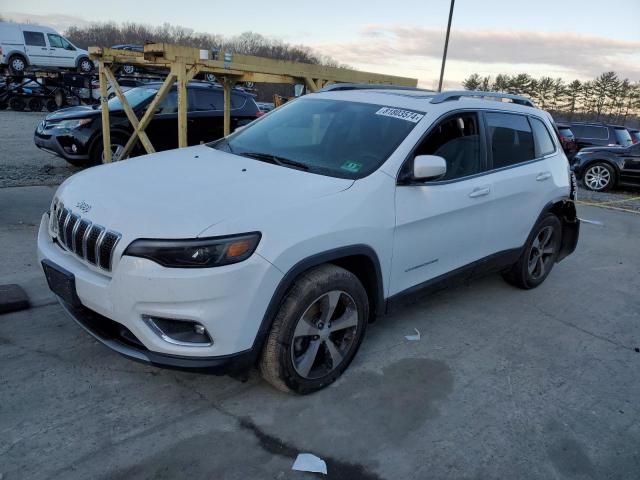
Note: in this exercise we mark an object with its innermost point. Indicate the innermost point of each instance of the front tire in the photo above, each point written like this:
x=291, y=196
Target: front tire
x=599, y=177
x=317, y=331
x=539, y=256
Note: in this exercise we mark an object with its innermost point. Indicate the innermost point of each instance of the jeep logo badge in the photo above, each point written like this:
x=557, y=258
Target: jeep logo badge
x=83, y=206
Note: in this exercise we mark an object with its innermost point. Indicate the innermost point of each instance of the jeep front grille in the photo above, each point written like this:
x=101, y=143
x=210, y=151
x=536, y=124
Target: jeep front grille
x=86, y=240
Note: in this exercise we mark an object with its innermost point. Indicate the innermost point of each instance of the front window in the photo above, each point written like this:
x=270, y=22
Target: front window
x=336, y=138
x=135, y=97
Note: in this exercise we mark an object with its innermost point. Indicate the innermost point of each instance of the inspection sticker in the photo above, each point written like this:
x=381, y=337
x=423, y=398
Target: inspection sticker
x=407, y=115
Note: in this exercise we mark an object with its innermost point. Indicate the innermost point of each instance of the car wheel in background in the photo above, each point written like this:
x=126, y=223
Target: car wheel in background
x=317, y=331
x=599, y=177
x=35, y=104
x=539, y=256
x=4, y=105
x=128, y=69
x=209, y=77
x=17, y=104
x=85, y=65
x=17, y=64
x=51, y=105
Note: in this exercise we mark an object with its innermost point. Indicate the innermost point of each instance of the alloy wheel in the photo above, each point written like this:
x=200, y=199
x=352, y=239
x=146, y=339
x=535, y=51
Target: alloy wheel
x=541, y=254
x=17, y=64
x=597, y=177
x=116, y=151
x=86, y=65
x=324, y=334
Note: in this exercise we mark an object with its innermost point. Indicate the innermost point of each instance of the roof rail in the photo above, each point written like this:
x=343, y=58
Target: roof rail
x=367, y=86
x=458, y=94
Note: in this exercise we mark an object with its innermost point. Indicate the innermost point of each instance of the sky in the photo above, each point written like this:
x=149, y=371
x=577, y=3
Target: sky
x=568, y=38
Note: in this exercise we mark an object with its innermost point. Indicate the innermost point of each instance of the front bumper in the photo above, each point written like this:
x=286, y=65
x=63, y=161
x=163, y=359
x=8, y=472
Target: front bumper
x=52, y=144
x=229, y=301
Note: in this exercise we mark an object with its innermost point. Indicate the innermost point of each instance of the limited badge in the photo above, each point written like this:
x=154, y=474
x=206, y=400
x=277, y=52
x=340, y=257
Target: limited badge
x=351, y=166
x=407, y=115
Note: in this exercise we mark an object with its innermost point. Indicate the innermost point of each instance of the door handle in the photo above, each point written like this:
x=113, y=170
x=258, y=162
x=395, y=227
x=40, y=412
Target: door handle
x=480, y=192
x=543, y=176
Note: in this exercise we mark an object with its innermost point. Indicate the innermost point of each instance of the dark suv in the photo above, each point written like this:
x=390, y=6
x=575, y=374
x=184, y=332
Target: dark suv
x=600, y=135
x=75, y=133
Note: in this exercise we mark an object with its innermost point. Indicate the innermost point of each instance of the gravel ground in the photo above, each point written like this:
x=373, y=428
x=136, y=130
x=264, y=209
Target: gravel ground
x=21, y=163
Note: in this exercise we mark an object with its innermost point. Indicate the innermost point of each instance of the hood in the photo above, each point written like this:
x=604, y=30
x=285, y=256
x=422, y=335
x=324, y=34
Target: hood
x=180, y=193
x=82, y=111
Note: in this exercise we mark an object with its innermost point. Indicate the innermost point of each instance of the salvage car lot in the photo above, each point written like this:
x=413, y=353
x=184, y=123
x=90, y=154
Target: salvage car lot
x=502, y=384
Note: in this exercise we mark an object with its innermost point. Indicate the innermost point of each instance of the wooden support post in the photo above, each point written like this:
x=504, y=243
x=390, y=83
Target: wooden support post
x=311, y=85
x=106, y=126
x=133, y=119
x=227, y=84
x=182, y=104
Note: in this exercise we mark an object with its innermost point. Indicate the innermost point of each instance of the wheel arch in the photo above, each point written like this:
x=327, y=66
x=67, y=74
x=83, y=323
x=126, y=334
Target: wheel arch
x=97, y=138
x=361, y=260
x=565, y=210
x=17, y=53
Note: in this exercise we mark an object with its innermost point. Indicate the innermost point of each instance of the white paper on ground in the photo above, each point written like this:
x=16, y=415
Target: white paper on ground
x=307, y=462
x=415, y=337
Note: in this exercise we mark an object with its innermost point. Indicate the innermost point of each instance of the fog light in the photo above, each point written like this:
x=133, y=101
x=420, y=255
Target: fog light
x=74, y=148
x=179, y=332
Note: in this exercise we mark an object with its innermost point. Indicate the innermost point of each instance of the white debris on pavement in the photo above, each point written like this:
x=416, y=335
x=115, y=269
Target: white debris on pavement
x=592, y=222
x=307, y=462
x=415, y=337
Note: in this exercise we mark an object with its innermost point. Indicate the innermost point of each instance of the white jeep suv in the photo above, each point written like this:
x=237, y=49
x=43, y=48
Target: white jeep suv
x=277, y=245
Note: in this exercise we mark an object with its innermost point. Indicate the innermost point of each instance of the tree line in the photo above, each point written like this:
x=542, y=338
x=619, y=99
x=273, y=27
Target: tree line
x=605, y=98
x=247, y=43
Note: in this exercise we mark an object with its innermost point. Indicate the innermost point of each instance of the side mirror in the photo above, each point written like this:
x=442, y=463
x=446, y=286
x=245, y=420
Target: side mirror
x=428, y=167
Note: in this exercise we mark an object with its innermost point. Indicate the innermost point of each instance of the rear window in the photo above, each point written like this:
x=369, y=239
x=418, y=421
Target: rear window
x=35, y=39
x=622, y=137
x=511, y=139
x=544, y=144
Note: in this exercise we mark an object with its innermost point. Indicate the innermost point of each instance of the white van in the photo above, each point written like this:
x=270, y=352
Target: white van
x=23, y=45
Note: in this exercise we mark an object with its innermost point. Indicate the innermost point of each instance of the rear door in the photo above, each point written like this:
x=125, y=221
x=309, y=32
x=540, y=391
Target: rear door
x=163, y=128
x=206, y=120
x=36, y=48
x=524, y=160
x=631, y=167
x=62, y=53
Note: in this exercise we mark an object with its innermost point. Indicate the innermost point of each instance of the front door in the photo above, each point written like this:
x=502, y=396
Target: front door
x=441, y=225
x=62, y=53
x=631, y=166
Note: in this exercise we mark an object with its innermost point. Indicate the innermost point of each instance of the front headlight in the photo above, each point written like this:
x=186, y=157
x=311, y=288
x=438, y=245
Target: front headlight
x=196, y=253
x=71, y=124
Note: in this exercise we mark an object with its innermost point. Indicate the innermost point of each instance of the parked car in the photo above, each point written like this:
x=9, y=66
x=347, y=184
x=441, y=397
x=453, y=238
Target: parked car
x=567, y=139
x=635, y=134
x=278, y=244
x=126, y=84
x=75, y=133
x=129, y=69
x=600, y=135
x=24, y=45
x=603, y=168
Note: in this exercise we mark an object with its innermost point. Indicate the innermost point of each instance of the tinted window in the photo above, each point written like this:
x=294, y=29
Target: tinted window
x=622, y=137
x=457, y=140
x=169, y=104
x=544, y=144
x=591, y=131
x=337, y=138
x=511, y=139
x=135, y=97
x=237, y=100
x=202, y=100
x=35, y=39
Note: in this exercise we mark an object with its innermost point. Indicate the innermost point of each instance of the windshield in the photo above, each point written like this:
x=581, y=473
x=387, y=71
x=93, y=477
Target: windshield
x=336, y=138
x=135, y=97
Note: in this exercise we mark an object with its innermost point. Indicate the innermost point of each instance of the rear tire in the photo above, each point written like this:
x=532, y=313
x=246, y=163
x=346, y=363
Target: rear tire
x=85, y=65
x=539, y=256
x=51, y=105
x=17, y=64
x=317, y=331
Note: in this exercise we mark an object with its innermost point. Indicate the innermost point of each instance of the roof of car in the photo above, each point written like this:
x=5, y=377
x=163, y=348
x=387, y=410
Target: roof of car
x=198, y=84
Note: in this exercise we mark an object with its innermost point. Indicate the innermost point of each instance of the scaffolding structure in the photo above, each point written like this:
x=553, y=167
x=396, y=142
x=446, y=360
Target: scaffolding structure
x=183, y=63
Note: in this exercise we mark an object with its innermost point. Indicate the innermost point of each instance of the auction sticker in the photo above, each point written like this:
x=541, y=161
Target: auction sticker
x=407, y=115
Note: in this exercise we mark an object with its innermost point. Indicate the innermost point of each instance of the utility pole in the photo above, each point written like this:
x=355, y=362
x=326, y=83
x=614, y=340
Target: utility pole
x=446, y=46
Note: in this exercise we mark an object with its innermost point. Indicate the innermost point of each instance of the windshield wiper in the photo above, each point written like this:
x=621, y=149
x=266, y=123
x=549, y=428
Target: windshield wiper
x=267, y=157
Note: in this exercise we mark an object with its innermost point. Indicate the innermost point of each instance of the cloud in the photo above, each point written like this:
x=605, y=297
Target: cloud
x=55, y=21
x=570, y=55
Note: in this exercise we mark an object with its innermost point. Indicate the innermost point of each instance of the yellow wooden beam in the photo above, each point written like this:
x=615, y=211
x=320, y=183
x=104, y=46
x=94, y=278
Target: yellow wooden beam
x=104, y=107
x=181, y=70
x=227, y=84
x=131, y=115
